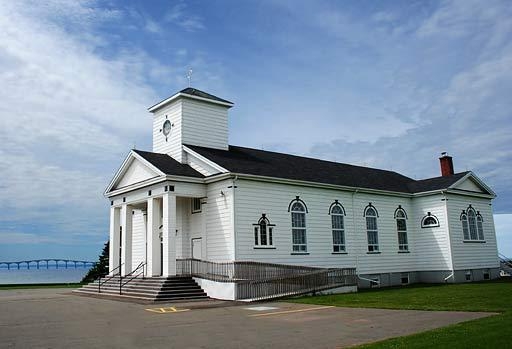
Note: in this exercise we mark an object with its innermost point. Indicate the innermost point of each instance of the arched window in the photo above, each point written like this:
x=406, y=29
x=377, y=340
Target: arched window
x=401, y=228
x=473, y=234
x=472, y=225
x=480, y=226
x=338, y=228
x=298, y=212
x=429, y=221
x=263, y=231
x=371, y=228
x=465, y=227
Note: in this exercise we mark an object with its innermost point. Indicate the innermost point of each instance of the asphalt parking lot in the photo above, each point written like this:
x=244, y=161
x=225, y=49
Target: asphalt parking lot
x=54, y=318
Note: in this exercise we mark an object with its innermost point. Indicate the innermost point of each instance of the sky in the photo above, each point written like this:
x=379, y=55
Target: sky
x=386, y=84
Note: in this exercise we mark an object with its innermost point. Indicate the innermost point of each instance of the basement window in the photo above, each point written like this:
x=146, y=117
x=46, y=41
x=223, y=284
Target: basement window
x=487, y=274
x=196, y=205
x=404, y=279
x=468, y=275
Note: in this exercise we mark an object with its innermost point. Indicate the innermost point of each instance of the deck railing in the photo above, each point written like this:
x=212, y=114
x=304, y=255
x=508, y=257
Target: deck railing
x=256, y=280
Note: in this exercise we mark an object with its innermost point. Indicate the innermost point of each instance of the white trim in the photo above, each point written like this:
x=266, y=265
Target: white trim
x=132, y=155
x=204, y=159
x=152, y=181
x=159, y=105
x=471, y=175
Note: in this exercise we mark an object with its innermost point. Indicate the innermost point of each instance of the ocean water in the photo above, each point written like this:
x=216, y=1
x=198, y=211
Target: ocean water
x=42, y=276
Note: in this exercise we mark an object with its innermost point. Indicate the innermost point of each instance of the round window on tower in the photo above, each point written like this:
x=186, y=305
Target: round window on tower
x=166, y=128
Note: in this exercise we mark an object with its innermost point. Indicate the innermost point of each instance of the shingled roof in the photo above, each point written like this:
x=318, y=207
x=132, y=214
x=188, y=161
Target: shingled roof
x=272, y=164
x=198, y=93
x=168, y=165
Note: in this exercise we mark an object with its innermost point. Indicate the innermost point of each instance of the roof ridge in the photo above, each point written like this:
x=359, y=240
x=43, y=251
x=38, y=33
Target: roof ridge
x=317, y=159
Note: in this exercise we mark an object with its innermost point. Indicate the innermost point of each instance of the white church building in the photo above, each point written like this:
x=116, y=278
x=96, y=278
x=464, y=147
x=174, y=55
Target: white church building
x=194, y=196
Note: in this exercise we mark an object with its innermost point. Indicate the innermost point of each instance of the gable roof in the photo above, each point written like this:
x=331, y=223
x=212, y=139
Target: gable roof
x=168, y=165
x=266, y=163
x=435, y=183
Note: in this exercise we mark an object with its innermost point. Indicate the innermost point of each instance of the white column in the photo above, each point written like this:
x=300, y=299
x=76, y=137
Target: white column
x=153, y=224
x=126, y=240
x=169, y=234
x=113, y=258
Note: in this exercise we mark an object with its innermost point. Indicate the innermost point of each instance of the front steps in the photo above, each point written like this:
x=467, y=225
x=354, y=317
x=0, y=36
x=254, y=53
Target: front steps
x=155, y=289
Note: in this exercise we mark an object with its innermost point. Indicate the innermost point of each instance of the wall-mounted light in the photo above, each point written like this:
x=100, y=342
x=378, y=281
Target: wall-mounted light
x=222, y=193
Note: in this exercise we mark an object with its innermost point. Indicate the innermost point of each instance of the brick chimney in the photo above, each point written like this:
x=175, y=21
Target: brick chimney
x=446, y=164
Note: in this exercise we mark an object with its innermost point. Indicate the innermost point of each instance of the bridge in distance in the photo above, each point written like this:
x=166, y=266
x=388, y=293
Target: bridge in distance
x=47, y=264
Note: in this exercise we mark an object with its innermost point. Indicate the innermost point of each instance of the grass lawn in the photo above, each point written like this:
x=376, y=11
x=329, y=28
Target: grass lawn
x=491, y=332
x=23, y=286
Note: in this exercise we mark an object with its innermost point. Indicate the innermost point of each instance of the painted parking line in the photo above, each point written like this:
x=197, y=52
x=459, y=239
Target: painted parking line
x=292, y=311
x=166, y=310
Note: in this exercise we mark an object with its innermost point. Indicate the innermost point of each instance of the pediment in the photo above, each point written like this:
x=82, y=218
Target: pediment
x=135, y=172
x=134, y=169
x=471, y=183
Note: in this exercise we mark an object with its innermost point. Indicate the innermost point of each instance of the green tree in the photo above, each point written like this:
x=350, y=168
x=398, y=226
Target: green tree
x=100, y=268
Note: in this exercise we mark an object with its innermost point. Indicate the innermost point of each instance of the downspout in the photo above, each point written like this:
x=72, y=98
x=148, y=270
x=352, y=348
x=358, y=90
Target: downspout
x=452, y=275
x=234, y=217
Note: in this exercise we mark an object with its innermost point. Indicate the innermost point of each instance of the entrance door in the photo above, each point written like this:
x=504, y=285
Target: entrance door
x=197, y=248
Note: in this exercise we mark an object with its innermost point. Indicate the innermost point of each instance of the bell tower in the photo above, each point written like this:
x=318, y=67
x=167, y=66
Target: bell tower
x=190, y=117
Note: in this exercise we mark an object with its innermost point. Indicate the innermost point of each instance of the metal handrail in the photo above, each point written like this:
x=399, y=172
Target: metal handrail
x=109, y=278
x=141, y=265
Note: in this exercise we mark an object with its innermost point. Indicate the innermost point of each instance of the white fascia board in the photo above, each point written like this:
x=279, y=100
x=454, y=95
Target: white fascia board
x=310, y=184
x=455, y=191
x=151, y=181
x=471, y=175
x=180, y=94
x=127, y=162
x=204, y=159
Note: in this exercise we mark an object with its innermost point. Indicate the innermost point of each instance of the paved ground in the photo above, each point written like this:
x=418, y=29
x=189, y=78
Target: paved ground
x=53, y=318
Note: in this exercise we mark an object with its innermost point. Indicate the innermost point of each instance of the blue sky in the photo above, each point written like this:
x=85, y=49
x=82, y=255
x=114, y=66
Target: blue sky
x=382, y=84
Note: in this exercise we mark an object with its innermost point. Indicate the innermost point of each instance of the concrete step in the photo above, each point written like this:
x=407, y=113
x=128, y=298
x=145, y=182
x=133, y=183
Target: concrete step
x=147, y=289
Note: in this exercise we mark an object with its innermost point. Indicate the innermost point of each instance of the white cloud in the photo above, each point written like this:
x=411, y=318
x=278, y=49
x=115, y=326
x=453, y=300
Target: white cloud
x=179, y=16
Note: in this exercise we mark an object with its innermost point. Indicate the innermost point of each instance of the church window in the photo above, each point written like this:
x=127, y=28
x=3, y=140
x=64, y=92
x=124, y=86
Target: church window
x=429, y=221
x=338, y=228
x=401, y=227
x=298, y=216
x=372, y=232
x=263, y=232
x=472, y=225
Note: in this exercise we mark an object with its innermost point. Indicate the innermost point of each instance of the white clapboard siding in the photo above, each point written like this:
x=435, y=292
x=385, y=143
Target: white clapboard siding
x=173, y=144
x=200, y=166
x=431, y=245
x=254, y=198
x=219, y=228
x=204, y=124
x=472, y=255
x=138, y=238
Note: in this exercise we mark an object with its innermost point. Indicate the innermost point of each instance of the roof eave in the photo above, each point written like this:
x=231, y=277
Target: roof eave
x=174, y=97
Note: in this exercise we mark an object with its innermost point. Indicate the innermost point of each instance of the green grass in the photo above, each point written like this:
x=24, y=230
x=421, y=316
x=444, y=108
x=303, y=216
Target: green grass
x=32, y=286
x=490, y=332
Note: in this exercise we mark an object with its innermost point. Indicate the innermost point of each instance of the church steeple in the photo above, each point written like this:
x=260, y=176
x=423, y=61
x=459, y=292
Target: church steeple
x=190, y=116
